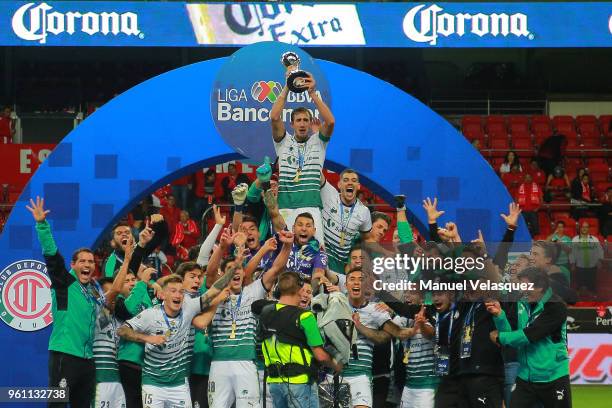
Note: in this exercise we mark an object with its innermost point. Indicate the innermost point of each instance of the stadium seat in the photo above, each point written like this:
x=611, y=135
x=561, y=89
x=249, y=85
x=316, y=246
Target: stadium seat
x=583, y=119
x=500, y=144
x=604, y=123
x=471, y=120
x=590, y=143
x=566, y=129
x=589, y=131
x=518, y=124
x=522, y=144
x=473, y=131
x=562, y=119
x=545, y=225
x=495, y=119
x=599, y=172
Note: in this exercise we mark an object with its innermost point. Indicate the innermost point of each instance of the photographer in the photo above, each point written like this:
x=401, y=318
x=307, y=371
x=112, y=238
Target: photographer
x=291, y=341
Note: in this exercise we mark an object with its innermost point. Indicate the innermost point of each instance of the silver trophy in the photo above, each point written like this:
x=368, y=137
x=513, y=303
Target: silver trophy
x=295, y=80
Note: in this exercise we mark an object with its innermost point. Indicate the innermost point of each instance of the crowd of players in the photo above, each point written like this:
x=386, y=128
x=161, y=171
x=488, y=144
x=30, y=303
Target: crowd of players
x=135, y=339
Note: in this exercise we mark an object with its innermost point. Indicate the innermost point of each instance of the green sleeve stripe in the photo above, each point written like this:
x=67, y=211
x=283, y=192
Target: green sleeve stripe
x=45, y=237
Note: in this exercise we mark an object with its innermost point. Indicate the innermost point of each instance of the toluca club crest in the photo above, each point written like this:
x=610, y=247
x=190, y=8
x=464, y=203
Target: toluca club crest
x=25, y=295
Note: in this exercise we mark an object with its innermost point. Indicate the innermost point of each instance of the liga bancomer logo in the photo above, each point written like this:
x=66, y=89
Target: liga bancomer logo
x=25, y=295
x=231, y=102
x=40, y=22
x=433, y=23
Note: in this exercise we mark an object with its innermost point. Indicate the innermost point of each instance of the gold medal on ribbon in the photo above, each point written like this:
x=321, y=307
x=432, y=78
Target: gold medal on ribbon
x=406, y=356
x=298, y=173
x=233, y=333
x=341, y=239
x=468, y=334
x=168, y=333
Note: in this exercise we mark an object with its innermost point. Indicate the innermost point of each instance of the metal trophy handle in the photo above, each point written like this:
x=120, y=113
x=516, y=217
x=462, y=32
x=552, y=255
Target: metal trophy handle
x=295, y=80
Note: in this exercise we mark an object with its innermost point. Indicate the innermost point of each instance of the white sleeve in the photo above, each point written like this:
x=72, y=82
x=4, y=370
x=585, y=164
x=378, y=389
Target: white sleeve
x=366, y=225
x=143, y=321
x=328, y=192
x=255, y=291
x=279, y=145
x=400, y=321
x=381, y=318
x=207, y=246
x=192, y=307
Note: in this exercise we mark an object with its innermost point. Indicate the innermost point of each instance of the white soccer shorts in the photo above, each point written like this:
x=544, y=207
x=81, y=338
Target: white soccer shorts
x=109, y=395
x=166, y=397
x=418, y=398
x=233, y=381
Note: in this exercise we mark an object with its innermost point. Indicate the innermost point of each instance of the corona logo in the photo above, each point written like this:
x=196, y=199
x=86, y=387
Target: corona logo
x=25, y=295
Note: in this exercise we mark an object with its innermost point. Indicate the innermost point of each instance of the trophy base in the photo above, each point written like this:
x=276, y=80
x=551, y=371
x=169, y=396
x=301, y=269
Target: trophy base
x=295, y=80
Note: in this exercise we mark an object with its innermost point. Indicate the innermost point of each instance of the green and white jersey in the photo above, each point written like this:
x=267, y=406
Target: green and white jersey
x=302, y=191
x=237, y=307
x=342, y=224
x=169, y=364
x=373, y=319
x=105, y=345
x=419, y=350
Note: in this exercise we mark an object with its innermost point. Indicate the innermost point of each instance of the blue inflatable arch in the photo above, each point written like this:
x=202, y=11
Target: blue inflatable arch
x=162, y=129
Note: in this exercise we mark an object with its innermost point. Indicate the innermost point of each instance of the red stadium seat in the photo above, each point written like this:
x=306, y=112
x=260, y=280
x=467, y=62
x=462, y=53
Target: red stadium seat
x=583, y=119
x=604, y=123
x=599, y=172
x=473, y=131
x=590, y=143
x=521, y=143
x=566, y=129
x=500, y=143
x=544, y=221
x=563, y=119
x=589, y=130
x=471, y=120
x=518, y=124
x=495, y=119
x=496, y=128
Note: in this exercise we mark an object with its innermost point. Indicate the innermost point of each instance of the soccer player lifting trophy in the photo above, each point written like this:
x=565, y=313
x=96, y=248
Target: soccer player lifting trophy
x=297, y=79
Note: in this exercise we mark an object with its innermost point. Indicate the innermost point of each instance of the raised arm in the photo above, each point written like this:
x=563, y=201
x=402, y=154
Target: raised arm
x=120, y=278
x=327, y=128
x=404, y=230
x=280, y=263
x=431, y=208
x=272, y=204
x=209, y=242
x=212, y=269
x=511, y=220
x=239, y=194
x=276, y=115
x=56, y=267
x=269, y=245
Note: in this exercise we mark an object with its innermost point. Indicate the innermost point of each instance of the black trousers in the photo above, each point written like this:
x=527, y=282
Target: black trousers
x=78, y=374
x=554, y=394
x=131, y=380
x=482, y=390
x=198, y=386
x=449, y=393
x=380, y=390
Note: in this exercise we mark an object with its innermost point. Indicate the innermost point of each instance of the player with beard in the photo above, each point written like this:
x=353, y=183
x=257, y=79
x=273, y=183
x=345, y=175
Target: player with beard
x=370, y=324
x=307, y=257
x=233, y=374
x=301, y=157
x=167, y=334
x=120, y=237
x=345, y=218
x=77, y=299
